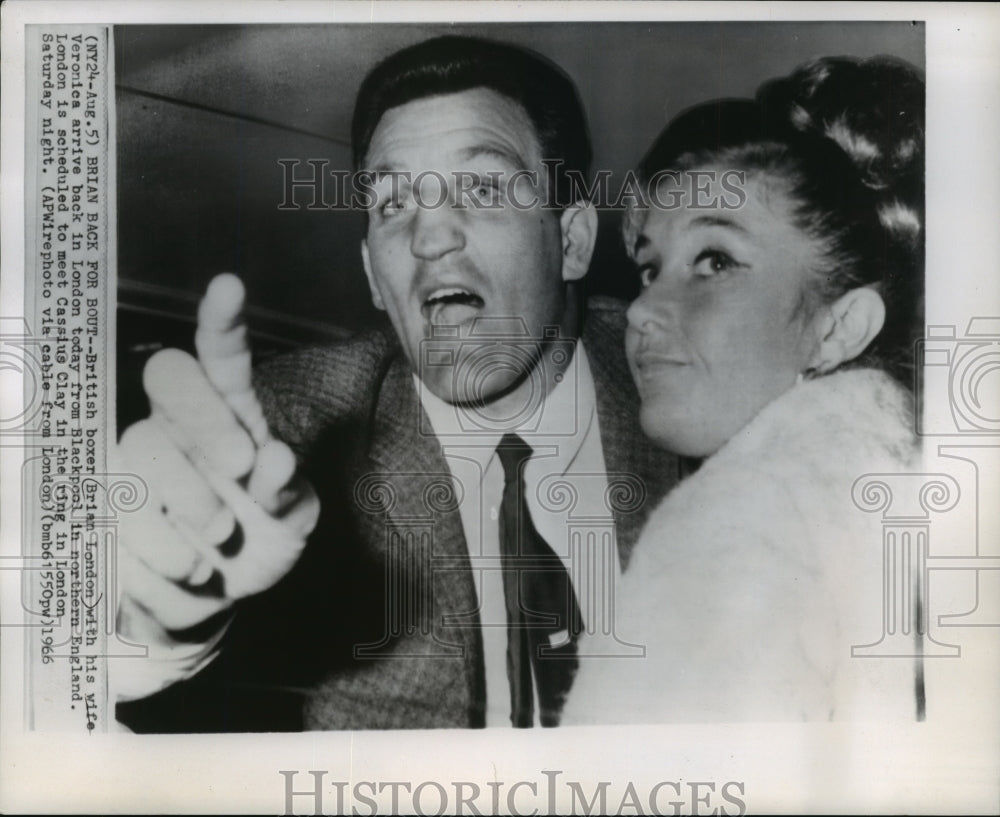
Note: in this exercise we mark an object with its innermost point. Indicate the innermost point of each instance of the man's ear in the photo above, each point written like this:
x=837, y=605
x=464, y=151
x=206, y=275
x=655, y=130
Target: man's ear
x=846, y=328
x=366, y=262
x=578, y=225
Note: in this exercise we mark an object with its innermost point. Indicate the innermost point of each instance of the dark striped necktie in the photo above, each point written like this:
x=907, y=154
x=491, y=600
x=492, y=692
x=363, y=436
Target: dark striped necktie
x=543, y=617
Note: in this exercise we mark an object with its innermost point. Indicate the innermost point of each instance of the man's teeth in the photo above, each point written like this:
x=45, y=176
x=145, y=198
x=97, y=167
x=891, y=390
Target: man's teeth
x=451, y=306
x=454, y=294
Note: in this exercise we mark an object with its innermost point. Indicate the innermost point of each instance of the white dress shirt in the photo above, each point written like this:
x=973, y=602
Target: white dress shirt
x=565, y=485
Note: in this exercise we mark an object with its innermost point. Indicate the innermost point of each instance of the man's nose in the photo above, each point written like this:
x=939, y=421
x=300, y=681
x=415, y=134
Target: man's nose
x=437, y=231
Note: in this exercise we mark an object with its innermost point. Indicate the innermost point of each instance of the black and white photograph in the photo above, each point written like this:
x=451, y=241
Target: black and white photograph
x=460, y=408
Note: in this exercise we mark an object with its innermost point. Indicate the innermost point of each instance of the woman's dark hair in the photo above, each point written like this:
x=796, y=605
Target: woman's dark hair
x=845, y=140
x=450, y=64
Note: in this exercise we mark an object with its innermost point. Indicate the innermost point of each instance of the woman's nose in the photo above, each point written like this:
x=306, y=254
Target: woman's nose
x=645, y=309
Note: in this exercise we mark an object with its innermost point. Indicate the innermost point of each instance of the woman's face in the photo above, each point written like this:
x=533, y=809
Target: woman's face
x=720, y=328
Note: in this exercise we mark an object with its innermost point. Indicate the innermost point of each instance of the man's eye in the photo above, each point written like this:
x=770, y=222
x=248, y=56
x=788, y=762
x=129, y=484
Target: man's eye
x=486, y=191
x=713, y=262
x=393, y=206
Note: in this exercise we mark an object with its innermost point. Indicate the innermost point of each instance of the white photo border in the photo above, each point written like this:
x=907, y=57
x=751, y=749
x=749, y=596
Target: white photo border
x=948, y=766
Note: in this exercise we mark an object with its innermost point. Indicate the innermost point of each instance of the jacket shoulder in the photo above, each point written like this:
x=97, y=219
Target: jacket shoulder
x=607, y=311
x=604, y=336
x=303, y=391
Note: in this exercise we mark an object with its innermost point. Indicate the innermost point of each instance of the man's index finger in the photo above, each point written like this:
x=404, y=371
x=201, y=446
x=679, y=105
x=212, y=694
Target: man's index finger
x=224, y=351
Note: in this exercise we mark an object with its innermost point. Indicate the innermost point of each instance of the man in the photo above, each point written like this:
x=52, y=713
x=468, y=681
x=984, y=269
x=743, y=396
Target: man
x=434, y=460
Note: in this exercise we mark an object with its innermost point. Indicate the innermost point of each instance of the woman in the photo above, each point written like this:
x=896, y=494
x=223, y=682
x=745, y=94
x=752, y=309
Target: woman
x=780, y=254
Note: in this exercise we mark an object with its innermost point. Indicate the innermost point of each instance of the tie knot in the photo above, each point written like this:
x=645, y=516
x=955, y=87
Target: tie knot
x=512, y=451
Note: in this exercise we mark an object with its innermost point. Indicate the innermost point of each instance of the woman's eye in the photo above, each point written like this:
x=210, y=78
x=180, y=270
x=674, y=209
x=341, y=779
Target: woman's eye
x=647, y=274
x=713, y=262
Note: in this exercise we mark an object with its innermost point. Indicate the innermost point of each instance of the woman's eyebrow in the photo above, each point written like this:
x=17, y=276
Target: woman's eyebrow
x=718, y=221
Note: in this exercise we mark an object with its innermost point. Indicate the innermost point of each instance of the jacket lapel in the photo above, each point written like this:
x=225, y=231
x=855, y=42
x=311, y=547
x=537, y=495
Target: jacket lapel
x=422, y=518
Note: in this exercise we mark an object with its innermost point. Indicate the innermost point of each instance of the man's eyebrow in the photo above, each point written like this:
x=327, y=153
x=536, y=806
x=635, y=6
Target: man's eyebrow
x=500, y=153
x=490, y=150
x=385, y=169
x=494, y=151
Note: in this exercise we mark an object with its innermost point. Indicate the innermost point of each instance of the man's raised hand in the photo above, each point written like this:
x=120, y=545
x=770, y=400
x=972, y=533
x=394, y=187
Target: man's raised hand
x=228, y=513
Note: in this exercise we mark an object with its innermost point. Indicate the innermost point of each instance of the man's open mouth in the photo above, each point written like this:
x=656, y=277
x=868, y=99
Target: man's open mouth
x=451, y=306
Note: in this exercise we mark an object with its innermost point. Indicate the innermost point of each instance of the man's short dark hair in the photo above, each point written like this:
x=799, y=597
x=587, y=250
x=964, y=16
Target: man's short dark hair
x=451, y=64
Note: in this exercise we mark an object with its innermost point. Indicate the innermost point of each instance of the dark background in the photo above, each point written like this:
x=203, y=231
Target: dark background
x=204, y=113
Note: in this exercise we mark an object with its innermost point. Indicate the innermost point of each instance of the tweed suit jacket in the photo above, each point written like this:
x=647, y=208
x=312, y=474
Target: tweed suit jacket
x=377, y=626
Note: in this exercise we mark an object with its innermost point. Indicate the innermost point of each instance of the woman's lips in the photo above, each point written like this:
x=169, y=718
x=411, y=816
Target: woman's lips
x=654, y=370
x=654, y=360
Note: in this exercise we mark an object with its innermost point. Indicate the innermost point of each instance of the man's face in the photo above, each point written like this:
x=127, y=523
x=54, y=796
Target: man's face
x=435, y=259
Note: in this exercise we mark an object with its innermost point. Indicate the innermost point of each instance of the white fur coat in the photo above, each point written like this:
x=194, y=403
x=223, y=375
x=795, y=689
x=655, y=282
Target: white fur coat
x=756, y=575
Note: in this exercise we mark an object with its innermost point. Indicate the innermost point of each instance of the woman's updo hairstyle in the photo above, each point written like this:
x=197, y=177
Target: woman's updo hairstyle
x=844, y=139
